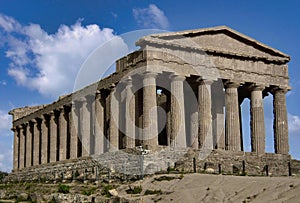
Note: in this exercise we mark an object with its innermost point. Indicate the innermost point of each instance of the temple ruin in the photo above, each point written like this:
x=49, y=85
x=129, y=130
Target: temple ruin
x=180, y=90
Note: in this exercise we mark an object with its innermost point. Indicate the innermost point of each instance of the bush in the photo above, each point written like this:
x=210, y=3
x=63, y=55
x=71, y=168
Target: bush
x=105, y=190
x=89, y=191
x=65, y=189
x=153, y=192
x=2, y=175
x=167, y=178
x=135, y=190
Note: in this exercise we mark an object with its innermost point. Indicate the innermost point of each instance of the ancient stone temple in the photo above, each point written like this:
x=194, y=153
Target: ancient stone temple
x=180, y=90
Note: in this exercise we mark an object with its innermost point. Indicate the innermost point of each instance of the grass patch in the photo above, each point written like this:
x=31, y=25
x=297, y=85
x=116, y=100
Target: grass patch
x=89, y=191
x=153, y=192
x=105, y=190
x=164, y=178
x=134, y=190
x=65, y=189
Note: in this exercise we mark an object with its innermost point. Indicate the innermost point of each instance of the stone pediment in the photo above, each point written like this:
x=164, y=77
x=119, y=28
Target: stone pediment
x=217, y=40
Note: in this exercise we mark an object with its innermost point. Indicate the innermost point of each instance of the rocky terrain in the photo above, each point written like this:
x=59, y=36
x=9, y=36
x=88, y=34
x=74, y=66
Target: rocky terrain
x=161, y=188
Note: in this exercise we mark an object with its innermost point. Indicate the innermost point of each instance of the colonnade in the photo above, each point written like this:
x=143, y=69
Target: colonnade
x=90, y=125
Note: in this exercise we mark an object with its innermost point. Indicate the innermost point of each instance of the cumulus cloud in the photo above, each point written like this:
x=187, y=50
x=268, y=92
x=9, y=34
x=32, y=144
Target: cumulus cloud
x=151, y=17
x=47, y=62
x=5, y=122
x=6, y=156
x=294, y=123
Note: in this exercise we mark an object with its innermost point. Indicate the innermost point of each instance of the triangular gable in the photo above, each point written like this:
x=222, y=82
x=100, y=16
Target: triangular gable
x=220, y=39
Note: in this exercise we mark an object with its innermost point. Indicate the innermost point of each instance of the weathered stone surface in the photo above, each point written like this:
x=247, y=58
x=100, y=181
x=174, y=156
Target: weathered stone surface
x=76, y=126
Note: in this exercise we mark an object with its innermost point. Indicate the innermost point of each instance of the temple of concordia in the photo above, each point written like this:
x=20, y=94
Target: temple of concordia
x=178, y=99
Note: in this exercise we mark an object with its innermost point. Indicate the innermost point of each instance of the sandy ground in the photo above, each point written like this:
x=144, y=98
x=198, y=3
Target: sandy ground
x=219, y=188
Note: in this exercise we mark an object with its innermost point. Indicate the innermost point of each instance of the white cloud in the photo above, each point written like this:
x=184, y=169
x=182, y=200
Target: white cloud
x=6, y=137
x=294, y=123
x=9, y=24
x=6, y=156
x=5, y=122
x=46, y=62
x=151, y=17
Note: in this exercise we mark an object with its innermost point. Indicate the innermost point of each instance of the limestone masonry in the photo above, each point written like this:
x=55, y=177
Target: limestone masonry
x=176, y=99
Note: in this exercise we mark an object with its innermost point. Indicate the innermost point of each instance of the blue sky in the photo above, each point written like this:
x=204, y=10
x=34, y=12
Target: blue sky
x=44, y=43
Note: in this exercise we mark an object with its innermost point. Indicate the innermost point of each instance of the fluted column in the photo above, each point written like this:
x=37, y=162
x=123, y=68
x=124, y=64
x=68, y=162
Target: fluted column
x=205, y=116
x=194, y=130
x=36, y=142
x=129, y=115
x=16, y=148
x=257, y=120
x=62, y=134
x=85, y=127
x=44, y=147
x=53, y=137
x=281, y=140
x=28, y=145
x=178, y=131
x=150, y=127
x=73, y=123
x=99, y=124
x=113, y=121
x=232, y=121
x=22, y=146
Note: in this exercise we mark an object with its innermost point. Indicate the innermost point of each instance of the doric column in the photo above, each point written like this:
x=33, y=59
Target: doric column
x=22, y=146
x=85, y=126
x=44, y=148
x=232, y=121
x=53, y=137
x=257, y=120
x=178, y=132
x=73, y=129
x=129, y=115
x=28, y=145
x=150, y=129
x=113, y=121
x=99, y=124
x=16, y=148
x=62, y=120
x=36, y=142
x=205, y=116
x=281, y=140
x=194, y=129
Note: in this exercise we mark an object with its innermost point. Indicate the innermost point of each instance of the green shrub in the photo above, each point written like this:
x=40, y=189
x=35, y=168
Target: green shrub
x=89, y=191
x=65, y=189
x=105, y=190
x=153, y=192
x=135, y=190
x=167, y=178
x=170, y=169
x=2, y=175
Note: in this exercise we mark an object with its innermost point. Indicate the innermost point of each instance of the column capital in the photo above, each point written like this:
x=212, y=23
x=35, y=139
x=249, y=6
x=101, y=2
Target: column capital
x=175, y=77
x=44, y=116
x=257, y=87
x=98, y=94
x=35, y=120
x=204, y=81
x=232, y=84
x=51, y=113
x=149, y=74
x=279, y=89
x=61, y=108
x=128, y=81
